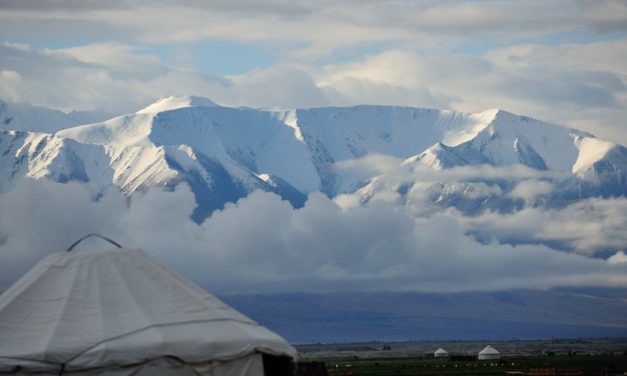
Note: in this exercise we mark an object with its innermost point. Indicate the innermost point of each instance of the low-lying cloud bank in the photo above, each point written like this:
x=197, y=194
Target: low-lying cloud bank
x=590, y=227
x=262, y=244
x=518, y=205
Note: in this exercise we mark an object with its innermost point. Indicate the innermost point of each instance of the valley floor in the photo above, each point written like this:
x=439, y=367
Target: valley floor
x=534, y=357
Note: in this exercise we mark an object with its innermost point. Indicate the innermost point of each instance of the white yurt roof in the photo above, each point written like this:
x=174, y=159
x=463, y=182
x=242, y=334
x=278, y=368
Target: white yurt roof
x=489, y=350
x=440, y=351
x=79, y=310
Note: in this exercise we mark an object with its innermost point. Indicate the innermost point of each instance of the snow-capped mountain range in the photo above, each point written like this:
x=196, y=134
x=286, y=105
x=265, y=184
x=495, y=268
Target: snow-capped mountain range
x=225, y=153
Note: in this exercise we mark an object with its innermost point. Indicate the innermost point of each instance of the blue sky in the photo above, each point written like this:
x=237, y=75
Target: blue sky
x=224, y=57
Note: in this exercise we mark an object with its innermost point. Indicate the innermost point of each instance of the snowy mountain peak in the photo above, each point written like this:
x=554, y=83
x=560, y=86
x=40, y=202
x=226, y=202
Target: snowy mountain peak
x=224, y=153
x=155, y=124
x=175, y=102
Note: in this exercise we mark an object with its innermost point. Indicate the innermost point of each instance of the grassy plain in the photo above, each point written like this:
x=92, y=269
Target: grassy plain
x=583, y=364
x=587, y=357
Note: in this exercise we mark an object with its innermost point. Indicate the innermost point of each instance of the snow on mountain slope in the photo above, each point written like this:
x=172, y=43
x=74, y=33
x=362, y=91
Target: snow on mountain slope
x=598, y=157
x=507, y=140
x=40, y=155
x=245, y=141
x=125, y=130
x=225, y=153
x=335, y=134
x=579, y=164
x=222, y=153
x=601, y=167
x=24, y=117
x=172, y=103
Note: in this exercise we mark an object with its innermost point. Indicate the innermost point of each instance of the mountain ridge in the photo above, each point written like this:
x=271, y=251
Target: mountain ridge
x=405, y=316
x=224, y=153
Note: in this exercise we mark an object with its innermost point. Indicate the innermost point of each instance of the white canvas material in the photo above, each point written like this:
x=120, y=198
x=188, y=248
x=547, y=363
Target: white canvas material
x=119, y=312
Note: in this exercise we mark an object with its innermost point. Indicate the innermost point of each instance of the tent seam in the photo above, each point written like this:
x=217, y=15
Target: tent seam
x=63, y=309
x=150, y=327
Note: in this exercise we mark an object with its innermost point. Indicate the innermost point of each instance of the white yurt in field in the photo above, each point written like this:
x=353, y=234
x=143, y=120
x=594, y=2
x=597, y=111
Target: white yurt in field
x=488, y=353
x=118, y=312
x=440, y=353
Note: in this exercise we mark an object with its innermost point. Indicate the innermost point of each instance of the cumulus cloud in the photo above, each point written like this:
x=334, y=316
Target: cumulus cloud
x=409, y=171
x=618, y=258
x=106, y=77
x=591, y=227
x=122, y=79
x=320, y=247
x=552, y=89
x=588, y=227
x=315, y=27
x=41, y=217
x=529, y=190
x=567, y=85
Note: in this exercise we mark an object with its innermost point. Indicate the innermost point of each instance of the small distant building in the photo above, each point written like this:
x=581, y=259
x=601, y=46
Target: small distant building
x=488, y=353
x=440, y=353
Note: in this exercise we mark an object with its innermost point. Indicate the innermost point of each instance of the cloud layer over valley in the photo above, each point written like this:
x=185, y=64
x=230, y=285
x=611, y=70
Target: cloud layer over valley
x=262, y=244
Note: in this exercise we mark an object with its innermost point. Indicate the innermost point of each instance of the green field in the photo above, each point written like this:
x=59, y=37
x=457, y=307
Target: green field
x=586, y=364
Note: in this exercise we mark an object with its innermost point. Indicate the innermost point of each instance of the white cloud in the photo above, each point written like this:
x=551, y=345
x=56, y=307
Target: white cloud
x=310, y=28
x=618, y=258
x=588, y=227
x=116, y=79
x=393, y=171
x=602, y=56
x=119, y=59
x=530, y=189
x=593, y=226
x=11, y=83
x=39, y=218
x=320, y=247
x=581, y=85
x=106, y=77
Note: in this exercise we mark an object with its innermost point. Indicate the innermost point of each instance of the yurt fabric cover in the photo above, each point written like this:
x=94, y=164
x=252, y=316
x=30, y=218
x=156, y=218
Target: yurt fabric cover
x=489, y=352
x=117, y=312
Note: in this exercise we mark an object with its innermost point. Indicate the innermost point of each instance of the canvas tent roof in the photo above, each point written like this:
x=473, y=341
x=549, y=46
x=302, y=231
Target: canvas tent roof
x=440, y=351
x=84, y=310
x=488, y=350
